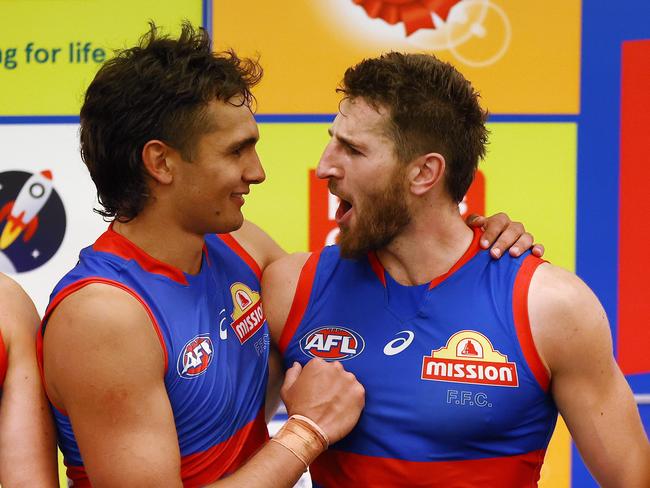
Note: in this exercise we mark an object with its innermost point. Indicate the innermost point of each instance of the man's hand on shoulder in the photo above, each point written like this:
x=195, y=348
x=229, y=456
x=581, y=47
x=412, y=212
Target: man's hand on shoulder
x=501, y=234
x=572, y=335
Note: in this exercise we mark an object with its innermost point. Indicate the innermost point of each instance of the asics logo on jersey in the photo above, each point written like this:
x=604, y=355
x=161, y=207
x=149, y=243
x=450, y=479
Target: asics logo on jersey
x=332, y=343
x=398, y=345
x=469, y=357
x=195, y=357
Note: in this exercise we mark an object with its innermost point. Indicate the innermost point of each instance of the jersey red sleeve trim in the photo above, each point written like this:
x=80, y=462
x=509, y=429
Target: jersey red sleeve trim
x=522, y=321
x=300, y=300
x=3, y=361
x=69, y=290
x=237, y=248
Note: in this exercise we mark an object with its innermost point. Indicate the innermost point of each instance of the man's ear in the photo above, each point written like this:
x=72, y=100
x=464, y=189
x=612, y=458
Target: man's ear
x=425, y=172
x=158, y=159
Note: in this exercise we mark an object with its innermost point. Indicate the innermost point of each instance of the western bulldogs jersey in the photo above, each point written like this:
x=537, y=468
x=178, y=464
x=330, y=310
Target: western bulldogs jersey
x=214, y=339
x=456, y=394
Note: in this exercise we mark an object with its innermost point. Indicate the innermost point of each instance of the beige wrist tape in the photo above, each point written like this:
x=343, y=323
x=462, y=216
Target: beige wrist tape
x=303, y=437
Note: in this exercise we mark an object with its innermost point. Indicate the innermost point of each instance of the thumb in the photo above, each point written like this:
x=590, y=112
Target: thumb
x=291, y=376
x=475, y=220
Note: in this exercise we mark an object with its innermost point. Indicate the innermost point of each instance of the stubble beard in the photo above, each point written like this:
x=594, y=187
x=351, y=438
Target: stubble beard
x=380, y=217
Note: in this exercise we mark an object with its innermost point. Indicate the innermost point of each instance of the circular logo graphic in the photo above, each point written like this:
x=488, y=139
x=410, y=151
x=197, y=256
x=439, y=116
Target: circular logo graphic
x=32, y=220
x=332, y=343
x=195, y=357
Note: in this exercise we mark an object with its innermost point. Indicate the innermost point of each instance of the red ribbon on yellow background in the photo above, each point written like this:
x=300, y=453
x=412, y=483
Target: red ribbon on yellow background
x=416, y=14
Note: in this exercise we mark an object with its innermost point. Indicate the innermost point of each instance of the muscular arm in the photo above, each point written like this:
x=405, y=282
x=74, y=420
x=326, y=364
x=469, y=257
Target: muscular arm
x=104, y=366
x=572, y=334
x=279, y=283
x=27, y=439
x=262, y=248
x=265, y=251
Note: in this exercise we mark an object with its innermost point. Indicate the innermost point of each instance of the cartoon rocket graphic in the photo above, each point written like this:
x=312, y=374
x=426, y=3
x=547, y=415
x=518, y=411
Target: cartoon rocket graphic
x=22, y=214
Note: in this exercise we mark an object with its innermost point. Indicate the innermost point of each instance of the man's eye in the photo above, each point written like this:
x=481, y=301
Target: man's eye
x=352, y=150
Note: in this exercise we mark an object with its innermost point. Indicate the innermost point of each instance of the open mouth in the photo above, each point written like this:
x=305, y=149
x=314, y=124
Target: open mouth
x=343, y=212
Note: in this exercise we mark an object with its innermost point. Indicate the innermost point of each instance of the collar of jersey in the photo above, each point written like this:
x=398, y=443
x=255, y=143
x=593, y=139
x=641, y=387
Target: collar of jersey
x=114, y=243
x=471, y=251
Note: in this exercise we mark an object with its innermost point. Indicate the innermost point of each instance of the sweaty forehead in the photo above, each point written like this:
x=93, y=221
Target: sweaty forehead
x=357, y=117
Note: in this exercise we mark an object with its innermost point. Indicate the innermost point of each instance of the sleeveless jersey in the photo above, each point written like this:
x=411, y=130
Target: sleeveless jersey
x=214, y=339
x=456, y=395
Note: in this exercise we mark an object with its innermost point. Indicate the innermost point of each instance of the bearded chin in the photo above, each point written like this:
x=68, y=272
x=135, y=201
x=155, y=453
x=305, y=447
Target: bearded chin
x=382, y=219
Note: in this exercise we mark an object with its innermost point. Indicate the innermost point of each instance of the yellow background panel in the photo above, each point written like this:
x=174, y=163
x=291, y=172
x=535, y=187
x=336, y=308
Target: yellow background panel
x=530, y=173
x=305, y=48
x=56, y=88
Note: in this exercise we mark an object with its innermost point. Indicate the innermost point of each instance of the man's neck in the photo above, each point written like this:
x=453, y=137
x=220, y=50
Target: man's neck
x=167, y=243
x=427, y=248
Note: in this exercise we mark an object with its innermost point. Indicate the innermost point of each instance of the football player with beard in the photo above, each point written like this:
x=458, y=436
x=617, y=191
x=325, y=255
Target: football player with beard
x=466, y=360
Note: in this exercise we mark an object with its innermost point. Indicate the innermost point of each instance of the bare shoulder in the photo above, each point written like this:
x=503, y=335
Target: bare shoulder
x=98, y=311
x=18, y=315
x=261, y=246
x=565, y=314
x=279, y=283
x=103, y=328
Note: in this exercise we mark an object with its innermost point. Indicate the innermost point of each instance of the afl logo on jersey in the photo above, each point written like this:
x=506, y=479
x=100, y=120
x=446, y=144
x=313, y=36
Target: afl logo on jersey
x=195, y=357
x=469, y=357
x=332, y=343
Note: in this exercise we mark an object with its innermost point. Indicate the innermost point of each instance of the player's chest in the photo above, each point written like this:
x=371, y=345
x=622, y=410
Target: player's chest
x=464, y=367
x=216, y=339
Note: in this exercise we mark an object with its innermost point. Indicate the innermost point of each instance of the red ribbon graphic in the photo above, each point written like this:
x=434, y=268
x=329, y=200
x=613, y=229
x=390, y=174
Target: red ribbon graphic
x=416, y=14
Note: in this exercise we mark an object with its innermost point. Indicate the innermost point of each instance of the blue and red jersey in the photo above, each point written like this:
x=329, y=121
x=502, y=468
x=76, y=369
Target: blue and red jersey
x=214, y=339
x=456, y=394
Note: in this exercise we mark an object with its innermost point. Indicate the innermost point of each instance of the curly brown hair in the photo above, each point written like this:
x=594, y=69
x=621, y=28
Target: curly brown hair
x=159, y=89
x=432, y=108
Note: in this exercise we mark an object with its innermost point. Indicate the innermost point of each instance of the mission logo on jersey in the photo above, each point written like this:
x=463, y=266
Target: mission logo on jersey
x=195, y=357
x=469, y=357
x=248, y=314
x=332, y=343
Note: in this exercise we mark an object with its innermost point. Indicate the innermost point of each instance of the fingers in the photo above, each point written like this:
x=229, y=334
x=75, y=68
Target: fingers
x=291, y=376
x=538, y=250
x=495, y=226
x=514, y=239
x=522, y=244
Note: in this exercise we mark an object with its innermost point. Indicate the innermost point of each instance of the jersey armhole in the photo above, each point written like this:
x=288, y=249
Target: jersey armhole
x=522, y=320
x=69, y=290
x=300, y=300
x=238, y=249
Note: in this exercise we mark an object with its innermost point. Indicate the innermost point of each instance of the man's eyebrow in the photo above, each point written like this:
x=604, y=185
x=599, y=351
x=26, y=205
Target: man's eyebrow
x=345, y=140
x=249, y=141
